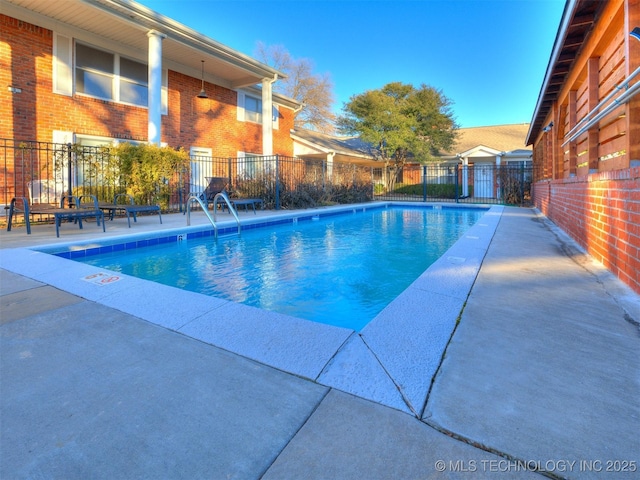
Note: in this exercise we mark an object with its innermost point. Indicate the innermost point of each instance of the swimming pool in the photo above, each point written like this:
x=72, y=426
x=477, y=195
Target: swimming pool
x=340, y=270
x=390, y=361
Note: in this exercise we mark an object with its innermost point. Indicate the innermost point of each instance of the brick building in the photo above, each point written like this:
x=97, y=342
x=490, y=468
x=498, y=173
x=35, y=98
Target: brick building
x=99, y=71
x=585, y=133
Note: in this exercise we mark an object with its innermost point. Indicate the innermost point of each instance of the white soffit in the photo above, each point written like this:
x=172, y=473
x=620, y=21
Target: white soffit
x=124, y=25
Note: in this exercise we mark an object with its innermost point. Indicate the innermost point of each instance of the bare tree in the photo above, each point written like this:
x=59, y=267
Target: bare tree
x=313, y=90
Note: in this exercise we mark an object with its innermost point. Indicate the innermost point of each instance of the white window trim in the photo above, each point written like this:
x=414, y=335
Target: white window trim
x=164, y=109
x=63, y=69
x=116, y=79
x=240, y=107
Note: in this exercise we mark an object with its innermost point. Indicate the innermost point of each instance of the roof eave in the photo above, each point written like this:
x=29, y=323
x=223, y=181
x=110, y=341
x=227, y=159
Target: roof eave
x=567, y=15
x=142, y=17
x=278, y=98
x=336, y=149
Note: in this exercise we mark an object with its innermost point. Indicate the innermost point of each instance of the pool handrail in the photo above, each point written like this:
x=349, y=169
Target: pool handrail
x=230, y=206
x=213, y=219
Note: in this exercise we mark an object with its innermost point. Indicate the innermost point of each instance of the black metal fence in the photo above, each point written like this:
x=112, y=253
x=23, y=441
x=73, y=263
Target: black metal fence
x=508, y=184
x=43, y=172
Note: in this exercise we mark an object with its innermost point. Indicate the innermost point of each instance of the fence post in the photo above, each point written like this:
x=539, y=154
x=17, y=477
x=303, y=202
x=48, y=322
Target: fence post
x=373, y=184
x=457, y=184
x=277, y=182
x=69, y=175
x=424, y=183
x=324, y=167
x=522, y=184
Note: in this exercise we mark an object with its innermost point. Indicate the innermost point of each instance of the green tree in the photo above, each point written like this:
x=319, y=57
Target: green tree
x=401, y=123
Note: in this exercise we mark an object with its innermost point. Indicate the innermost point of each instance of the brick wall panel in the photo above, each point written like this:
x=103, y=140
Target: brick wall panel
x=26, y=53
x=601, y=212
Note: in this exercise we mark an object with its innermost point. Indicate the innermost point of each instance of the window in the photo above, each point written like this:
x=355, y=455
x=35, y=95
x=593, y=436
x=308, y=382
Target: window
x=109, y=76
x=91, y=161
x=252, y=109
x=94, y=72
x=201, y=168
x=102, y=74
x=253, y=166
x=133, y=82
x=248, y=165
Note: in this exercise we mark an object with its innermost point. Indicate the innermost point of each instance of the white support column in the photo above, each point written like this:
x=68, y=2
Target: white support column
x=465, y=177
x=155, y=86
x=267, y=115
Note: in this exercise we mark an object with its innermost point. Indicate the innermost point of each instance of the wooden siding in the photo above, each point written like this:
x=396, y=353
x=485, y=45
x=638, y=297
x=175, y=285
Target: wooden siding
x=590, y=187
x=600, y=69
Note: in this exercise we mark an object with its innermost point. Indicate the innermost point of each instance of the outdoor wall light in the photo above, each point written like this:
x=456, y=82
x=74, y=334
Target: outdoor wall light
x=635, y=33
x=202, y=93
x=548, y=127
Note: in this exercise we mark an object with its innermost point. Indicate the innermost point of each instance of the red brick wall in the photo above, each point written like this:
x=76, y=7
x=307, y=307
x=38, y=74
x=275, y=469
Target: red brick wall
x=26, y=53
x=282, y=142
x=21, y=47
x=36, y=112
x=601, y=212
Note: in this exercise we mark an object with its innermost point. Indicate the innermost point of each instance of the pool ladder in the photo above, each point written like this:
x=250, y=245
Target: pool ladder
x=221, y=195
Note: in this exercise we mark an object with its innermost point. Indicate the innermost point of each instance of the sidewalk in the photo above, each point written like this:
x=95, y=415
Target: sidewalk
x=542, y=372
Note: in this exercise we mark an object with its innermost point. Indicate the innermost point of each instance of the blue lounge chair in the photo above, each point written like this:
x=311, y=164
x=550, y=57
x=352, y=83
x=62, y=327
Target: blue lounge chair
x=125, y=203
x=73, y=211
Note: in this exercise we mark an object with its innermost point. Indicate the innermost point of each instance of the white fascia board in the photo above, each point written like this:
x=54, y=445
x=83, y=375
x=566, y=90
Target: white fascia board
x=481, y=149
x=313, y=147
x=285, y=101
x=569, y=12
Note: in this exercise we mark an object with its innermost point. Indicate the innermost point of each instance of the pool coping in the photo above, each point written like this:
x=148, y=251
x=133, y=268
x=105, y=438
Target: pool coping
x=391, y=361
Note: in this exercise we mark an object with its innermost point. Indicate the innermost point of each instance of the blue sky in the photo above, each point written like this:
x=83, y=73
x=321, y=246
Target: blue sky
x=488, y=56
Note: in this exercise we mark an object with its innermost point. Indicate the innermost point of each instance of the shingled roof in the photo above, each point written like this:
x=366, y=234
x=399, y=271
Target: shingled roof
x=344, y=146
x=505, y=138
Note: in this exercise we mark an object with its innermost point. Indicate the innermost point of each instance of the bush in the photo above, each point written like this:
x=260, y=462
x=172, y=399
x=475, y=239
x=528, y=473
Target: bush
x=434, y=190
x=443, y=191
x=148, y=170
x=103, y=193
x=408, y=189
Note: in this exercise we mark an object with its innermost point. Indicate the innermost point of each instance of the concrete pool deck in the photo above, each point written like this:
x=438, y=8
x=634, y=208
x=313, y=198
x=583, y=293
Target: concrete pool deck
x=542, y=369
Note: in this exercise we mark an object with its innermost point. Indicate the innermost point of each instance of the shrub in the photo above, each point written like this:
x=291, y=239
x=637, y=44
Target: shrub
x=147, y=171
x=434, y=190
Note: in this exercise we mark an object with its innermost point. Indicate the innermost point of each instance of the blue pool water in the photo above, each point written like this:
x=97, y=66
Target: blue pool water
x=340, y=270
